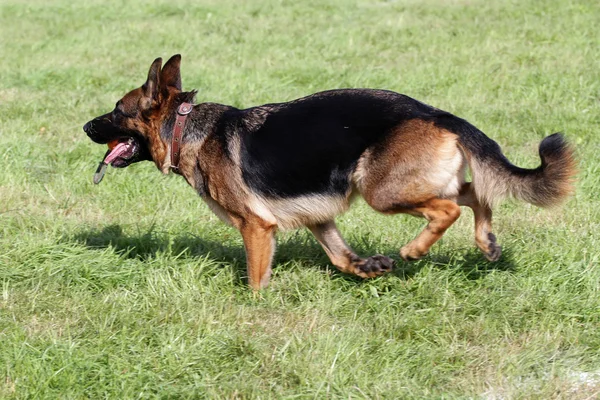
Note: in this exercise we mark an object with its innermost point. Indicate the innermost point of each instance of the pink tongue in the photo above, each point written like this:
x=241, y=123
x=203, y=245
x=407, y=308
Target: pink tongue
x=116, y=152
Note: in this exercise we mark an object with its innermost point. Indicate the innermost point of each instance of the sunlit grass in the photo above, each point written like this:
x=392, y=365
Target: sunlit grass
x=134, y=289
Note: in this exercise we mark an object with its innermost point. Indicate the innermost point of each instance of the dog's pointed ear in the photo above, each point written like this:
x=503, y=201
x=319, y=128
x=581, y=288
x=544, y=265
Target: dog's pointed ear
x=151, y=86
x=170, y=76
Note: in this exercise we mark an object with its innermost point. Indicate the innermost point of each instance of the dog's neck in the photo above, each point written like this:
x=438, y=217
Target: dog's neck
x=164, y=160
x=202, y=121
x=183, y=111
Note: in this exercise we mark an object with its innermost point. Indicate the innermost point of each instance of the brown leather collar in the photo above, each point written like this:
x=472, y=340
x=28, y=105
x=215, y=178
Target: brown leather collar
x=182, y=112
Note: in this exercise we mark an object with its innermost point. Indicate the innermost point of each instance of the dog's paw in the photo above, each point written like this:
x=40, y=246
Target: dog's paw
x=494, y=251
x=411, y=253
x=491, y=250
x=374, y=266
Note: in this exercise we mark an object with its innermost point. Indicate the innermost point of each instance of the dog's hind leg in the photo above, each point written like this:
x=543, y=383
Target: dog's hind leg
x=485, y=239
x=342, y=256
x=259, y=242
x=441, y=213
x=419, y=171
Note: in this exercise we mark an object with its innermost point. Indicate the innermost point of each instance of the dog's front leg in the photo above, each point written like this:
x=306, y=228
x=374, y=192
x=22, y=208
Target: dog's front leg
x=259, y=241
x=342, y=256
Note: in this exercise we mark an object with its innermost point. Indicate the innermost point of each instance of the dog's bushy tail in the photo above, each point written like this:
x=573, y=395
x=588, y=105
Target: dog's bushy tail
x=495, y=178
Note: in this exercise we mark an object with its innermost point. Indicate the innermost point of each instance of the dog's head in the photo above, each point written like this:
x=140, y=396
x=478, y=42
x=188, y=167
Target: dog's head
x=137, y=118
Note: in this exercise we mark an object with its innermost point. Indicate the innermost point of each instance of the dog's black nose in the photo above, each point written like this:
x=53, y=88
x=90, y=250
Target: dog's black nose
x=86, y=127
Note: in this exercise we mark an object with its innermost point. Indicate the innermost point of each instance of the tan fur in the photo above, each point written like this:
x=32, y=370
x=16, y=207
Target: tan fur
x=490, y=189
x=361, y=172
x=484, y=238
x=491, y=184
x=259, y=242
x=159, y=150
x=334, y=245
x=440, y=213
x=418, y=162
x=234, y=146
x=301, y=211
x=218, y=210
x=340, y=254
x=449, y=172
x=231, y=200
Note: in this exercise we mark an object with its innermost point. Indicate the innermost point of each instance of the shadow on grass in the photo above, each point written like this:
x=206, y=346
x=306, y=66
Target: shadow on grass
x=472, y=263
x=297, y=247
x=147, y=245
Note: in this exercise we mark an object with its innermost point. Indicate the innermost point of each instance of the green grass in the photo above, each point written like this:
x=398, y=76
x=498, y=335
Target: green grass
x=133, y=289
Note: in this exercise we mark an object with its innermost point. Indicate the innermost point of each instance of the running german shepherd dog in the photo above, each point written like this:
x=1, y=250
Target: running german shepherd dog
x=300, y=163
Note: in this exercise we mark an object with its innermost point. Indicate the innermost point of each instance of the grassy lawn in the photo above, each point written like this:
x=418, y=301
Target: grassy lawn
x=133, y=289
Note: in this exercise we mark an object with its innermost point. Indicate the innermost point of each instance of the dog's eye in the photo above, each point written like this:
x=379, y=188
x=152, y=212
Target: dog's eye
x=117, y=113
